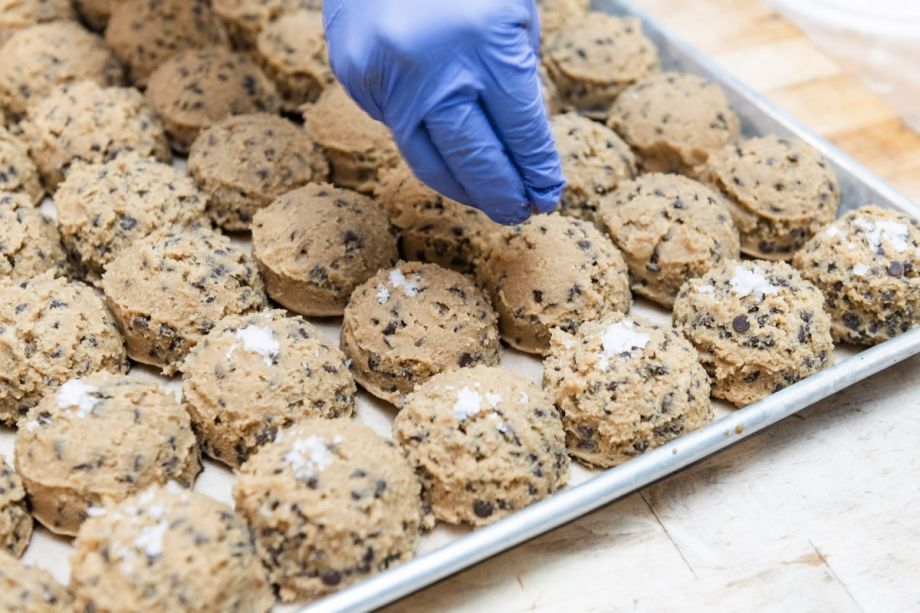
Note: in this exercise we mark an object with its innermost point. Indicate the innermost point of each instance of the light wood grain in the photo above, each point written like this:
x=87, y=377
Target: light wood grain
x=816, y=514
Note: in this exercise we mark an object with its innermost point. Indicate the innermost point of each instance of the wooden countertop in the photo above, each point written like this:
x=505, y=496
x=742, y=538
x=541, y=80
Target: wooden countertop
x=817, y=513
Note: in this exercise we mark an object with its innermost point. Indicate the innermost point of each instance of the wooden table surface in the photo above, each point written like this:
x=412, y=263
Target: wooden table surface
x=819, y=513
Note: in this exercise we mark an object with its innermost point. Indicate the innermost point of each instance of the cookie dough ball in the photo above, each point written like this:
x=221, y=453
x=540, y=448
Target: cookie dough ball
x=356, y=146
x=29, y=243
x=553, y=271
x=104, y=208
x=780, y=191
x=87, y=123
x=624, y=385
x=197, y=88
x=51, y=330
x=254, y=375
x=292, y=50
x=597, y=56
x=758, y=327
x=674, y=121
x=330, y=503
x=100, y=439
x=406, y=324
x=245, y=19
x=41, y=57
x=170, y=289
x=96, y=13
x=16, y=15
x=17, y=171
x=30, y=590
x=867, y=265
x=485, y=443
x=594, y=159
x=554, y=14
x=15, y=520
x=315, y=245
x=245, y=161
x=669, y=228
x=145, y=33
x=168, y=549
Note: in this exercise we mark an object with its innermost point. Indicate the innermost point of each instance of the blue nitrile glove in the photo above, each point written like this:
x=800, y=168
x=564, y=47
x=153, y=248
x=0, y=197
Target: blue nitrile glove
x=456, y=82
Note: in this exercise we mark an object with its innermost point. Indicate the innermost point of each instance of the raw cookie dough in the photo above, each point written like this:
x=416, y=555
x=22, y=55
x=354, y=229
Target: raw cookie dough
x=17, y=170
x=356, y=146
x=292, y=51
x=51, y=330
x=104, y=208
x=867, y=264
x=780, y=192
x=331, y=503
x=16, y=15
x=244, y=162
x=170, y=289
x=96, y=12
x=145, y=33
x=433, y=228
x=88, y=123
x=553, y=271
x=758, y=327
x=30, y=590
x=485, y=443
x=168, y=549
x=555, y=14
x=669, y=228
x=254, y=375
x=624, y=385
x=41, y=57
x=594, y=159
x=316, y=244
x=245, y=19
x=597, y=56
x=196, y=88
x=15, y=520
x=674, y=121
x=406, y=324
x=29, y=242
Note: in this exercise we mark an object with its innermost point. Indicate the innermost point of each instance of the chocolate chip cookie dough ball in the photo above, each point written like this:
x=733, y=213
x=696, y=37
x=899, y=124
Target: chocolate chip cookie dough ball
x=99, y=439
x=356, y=146
x=485, y=443
x=292, y=51
x=29, y=243
x=195, y=89
x=87, y=123
x=433, y=228
x=406, y=324
x=51, y=330
x=780, y=192
x=315, y=245
x=30, y=590
x=867, y=265
x=553, y=271
x=168, y=549
x=330, y=503
x=555, y=14
x=758, y=327
x=15, y=520
x=170, y=289
x=96, y=13
x=245, y=161
x=594, y=159
x=669, y=228
x=17, y=171
x=104, y=208
x=254, y=375
x=245, y=19
x=674, y=121
x=624, y=385
x=145, y=33
x=595, y=57
x=17, y=15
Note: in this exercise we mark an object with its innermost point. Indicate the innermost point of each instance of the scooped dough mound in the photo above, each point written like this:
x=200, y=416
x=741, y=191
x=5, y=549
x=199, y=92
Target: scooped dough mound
x=17, y=15
x=29, y=243
x=245, y=19
x=555, y=14
x=30, y=590
x=18, y=173
x=15, y=519
x=96, y=13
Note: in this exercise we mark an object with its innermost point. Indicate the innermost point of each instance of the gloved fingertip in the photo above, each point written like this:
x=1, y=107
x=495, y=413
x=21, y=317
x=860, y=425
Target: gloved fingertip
x=546, y=199
x=510, y=216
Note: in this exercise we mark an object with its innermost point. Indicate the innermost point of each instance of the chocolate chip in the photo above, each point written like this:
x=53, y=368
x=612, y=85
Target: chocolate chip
x=465, y=360
x=332, y=577
x=741, y=324
x=482, y=508
x=896, y=269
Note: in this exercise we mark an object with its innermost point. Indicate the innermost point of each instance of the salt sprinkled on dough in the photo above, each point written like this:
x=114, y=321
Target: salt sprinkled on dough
x=398, y=280
x=860, y=269
x=568, y=343
x=523, y=398
x=619, y=338
x=75, y=393
x=468, y=404
x=492, y=400
x=95, y=512
x=31, y=425
x=891, y=232
x=317, y=457
x=832, y=231
x=751, y=282
x=150, y=540
x=259, y=340
x=708, y=289
x=383, y=294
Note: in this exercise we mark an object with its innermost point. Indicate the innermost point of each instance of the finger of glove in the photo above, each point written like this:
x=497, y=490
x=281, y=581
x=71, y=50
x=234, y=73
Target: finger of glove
x=467, y=143
x=428, y=165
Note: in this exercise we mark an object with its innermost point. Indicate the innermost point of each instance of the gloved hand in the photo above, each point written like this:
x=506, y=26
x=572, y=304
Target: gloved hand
x=456, y=82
